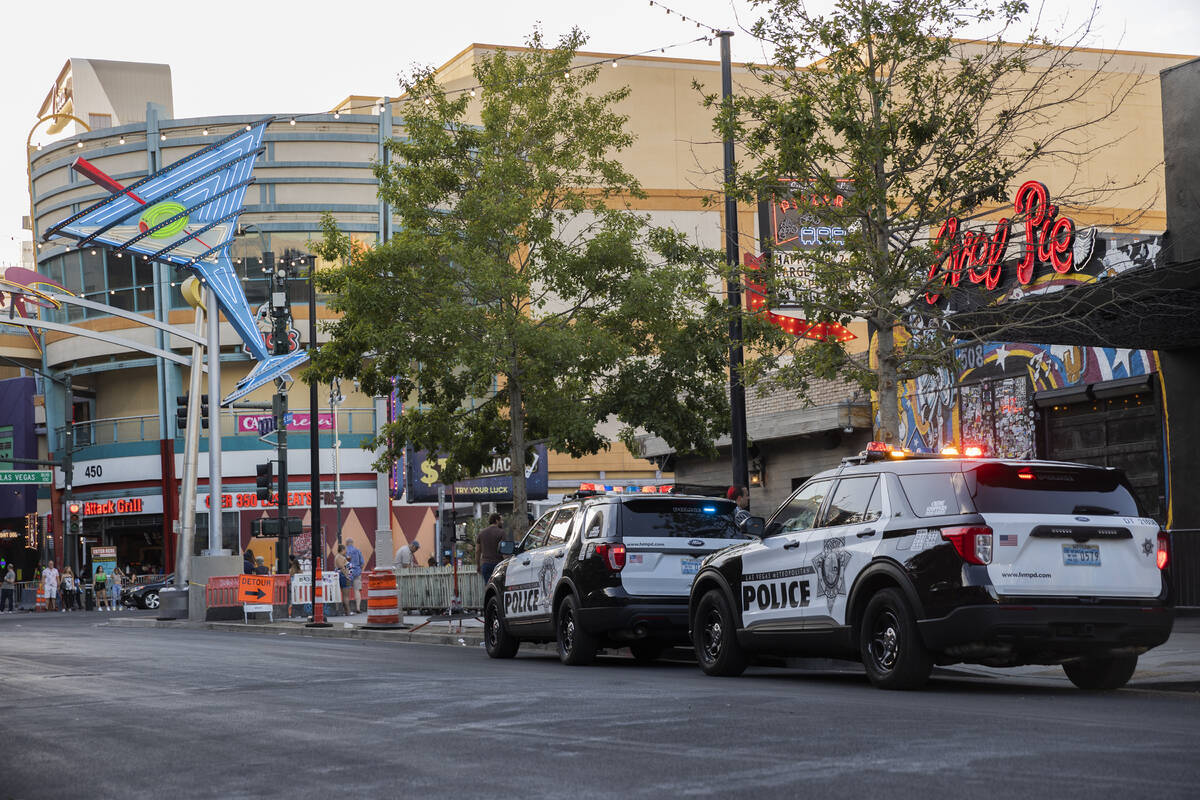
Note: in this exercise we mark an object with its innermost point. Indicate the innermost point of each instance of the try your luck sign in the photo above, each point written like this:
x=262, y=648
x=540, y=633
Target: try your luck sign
x=980, y=257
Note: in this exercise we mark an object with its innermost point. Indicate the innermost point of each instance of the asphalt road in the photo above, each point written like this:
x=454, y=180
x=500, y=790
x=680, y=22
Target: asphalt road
x=90, y=711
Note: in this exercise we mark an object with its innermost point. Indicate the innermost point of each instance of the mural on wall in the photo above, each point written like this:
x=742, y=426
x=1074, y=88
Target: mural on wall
x=989, y=402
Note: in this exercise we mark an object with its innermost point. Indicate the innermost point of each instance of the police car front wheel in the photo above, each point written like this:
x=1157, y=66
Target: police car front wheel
x=497, y=641
x=890, y=645
x=714, y=636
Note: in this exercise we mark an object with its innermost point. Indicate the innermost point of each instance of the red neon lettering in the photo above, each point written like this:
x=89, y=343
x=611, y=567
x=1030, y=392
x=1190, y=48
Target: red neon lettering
x=1062, y=245
x=1032, y=200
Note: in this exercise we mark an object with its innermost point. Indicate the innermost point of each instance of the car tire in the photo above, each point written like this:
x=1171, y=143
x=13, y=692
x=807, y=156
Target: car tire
x=576, y=647
x=714, y=637
x=1101, y=673
x=646, y=652
x=150, y=600
x=892, y=651
x=498, y=642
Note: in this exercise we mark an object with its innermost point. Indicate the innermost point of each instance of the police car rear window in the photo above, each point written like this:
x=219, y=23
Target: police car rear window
x=689, y=519
x=936, y=494
x=1034, y=489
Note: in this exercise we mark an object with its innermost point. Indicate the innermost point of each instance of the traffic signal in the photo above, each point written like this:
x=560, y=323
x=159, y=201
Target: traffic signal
x=181, y=404
x=73, y=524
x=264, y=480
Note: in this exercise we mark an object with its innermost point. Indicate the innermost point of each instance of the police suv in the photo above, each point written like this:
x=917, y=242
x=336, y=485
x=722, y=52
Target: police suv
x=905, y=562
x=605, y=570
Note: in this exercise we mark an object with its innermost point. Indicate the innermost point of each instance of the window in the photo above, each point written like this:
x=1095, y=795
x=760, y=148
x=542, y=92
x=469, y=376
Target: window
x=537, y=534
x=594, y=528
x=800, y=513
x=851, y=503
x=561, y=528
x=1051, y=490
x=937, y=494
x=679, y=519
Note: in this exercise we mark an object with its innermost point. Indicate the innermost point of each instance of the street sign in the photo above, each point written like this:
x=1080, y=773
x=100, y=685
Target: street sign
x=265, y=425
x=26, y=476
x=255, y=588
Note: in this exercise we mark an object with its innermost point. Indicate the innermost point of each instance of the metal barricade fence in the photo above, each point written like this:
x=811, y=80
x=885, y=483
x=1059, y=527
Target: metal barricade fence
x=432, y=587
x=331, y=591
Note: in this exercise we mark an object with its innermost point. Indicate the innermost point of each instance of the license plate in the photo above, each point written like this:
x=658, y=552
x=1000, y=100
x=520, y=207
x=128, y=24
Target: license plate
x=689, y=566
x=1081, y=555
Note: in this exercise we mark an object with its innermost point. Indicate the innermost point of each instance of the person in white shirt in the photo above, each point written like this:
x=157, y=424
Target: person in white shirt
x=50, y=587
x=406, y=556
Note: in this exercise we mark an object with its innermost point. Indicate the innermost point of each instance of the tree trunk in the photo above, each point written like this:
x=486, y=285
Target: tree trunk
x=888, y=429
x=516, y=452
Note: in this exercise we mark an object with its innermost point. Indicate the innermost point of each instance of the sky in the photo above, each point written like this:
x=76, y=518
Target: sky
x=296, y=56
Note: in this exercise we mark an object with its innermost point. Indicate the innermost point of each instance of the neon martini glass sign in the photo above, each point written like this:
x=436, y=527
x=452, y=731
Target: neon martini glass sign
x=186, y=215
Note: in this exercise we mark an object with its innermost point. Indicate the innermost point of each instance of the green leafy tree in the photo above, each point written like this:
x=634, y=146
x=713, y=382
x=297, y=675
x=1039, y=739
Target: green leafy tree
x=521, y=300
x=928, y=119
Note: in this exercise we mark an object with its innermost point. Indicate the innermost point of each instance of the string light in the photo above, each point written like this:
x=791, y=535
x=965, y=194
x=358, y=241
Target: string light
x=614, y=63
x=39, y=147
x=121, y=140
x=162, y=137
x=204, y=132
x=292, y=121
x=685, y=18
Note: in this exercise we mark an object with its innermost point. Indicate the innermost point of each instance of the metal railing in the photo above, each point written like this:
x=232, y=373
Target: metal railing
x=144, y=428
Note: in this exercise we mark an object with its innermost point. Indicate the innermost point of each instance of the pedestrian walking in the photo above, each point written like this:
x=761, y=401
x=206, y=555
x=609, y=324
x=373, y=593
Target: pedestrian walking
x=406, y=556
x=741, y=496
x=248, y=562
x=488, y=549
x=342, y=564
x=8, y=589
x=50, y=586
x=115, y=582
x=355, y=557
x=100, y=582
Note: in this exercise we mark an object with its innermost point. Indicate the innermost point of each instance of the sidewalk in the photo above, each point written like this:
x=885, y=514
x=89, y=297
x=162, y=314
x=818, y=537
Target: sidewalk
x=1174, y=667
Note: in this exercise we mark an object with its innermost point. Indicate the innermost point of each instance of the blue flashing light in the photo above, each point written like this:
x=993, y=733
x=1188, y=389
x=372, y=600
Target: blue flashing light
x=710, y=509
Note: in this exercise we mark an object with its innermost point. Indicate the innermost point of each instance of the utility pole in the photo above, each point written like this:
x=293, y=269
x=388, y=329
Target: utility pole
x=281, y=314
x=314, y=449
x=215, y=509
x=737, y=390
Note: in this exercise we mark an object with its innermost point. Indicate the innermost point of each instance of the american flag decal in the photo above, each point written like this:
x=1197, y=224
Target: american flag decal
x=1008, y=540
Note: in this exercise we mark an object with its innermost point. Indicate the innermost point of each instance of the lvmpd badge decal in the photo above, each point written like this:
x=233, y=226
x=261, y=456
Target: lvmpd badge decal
x=830, y=565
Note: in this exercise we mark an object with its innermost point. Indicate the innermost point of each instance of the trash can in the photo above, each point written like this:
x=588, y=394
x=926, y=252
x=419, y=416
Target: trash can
x=89, y=597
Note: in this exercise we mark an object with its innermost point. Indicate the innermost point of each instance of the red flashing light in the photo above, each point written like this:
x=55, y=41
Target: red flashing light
x=612, y=554
x=878, y=447
x=973, y=543
x=1025, y=474
x=1163, y=556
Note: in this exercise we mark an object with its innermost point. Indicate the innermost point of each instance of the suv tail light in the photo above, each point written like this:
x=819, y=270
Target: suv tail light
x=973, y=543
x=612, y=554
x=1164, y=550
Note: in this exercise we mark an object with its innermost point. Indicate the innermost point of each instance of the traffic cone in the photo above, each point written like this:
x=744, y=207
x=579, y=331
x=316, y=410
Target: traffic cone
x=41, y=597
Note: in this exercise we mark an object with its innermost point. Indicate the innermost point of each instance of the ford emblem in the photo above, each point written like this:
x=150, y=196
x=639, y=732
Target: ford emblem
x=696, y=543
x=1082, y=519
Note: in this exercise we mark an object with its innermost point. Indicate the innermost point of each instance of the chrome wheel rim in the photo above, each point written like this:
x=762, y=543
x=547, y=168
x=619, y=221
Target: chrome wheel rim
x=493, y=627
x=152, y=600
x=567, y=630
x=713, y=636
x=885, y=640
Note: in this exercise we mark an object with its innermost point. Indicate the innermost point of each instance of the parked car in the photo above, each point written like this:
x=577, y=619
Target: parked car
x=146, y=595
x=605, y=571
x=904, y=562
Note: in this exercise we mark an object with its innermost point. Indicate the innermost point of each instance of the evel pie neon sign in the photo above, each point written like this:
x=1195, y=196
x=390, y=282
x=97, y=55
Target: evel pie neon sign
x=1049, y=239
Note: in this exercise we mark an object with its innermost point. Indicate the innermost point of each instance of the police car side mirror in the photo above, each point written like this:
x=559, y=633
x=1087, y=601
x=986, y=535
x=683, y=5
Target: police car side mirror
x=774, y=528
x=755, y=527
x=508, y=547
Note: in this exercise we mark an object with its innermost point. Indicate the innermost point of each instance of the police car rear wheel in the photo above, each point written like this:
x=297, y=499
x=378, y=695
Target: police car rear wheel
x=714, y=637
x=891, y=648
x=1101, y=673
x=576, y=647
x=497, y=641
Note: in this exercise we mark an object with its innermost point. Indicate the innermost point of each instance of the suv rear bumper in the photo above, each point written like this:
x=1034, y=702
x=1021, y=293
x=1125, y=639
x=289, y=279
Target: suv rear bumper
x=1061, y=629
x=633, y=620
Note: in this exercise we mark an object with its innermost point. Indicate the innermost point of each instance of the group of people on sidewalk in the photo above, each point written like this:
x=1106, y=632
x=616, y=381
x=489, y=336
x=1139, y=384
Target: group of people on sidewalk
x=65, y=591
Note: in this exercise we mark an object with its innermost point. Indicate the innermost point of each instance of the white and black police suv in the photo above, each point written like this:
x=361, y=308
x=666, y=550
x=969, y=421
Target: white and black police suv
x=904, y=562
x=605, y=571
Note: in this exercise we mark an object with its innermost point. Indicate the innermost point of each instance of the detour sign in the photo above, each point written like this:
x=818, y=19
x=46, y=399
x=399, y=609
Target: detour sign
x=254, y=589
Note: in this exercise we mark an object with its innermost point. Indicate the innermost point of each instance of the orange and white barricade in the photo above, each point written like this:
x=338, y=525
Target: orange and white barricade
x=383, y=602
x=331, y=592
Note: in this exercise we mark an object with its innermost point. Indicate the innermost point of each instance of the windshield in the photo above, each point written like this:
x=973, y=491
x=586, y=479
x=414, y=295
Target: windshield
x=691, y=519
x=1033, y=489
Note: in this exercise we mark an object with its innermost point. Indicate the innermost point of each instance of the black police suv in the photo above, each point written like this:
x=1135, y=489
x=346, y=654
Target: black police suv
x=605, y=570
x=905, y=562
